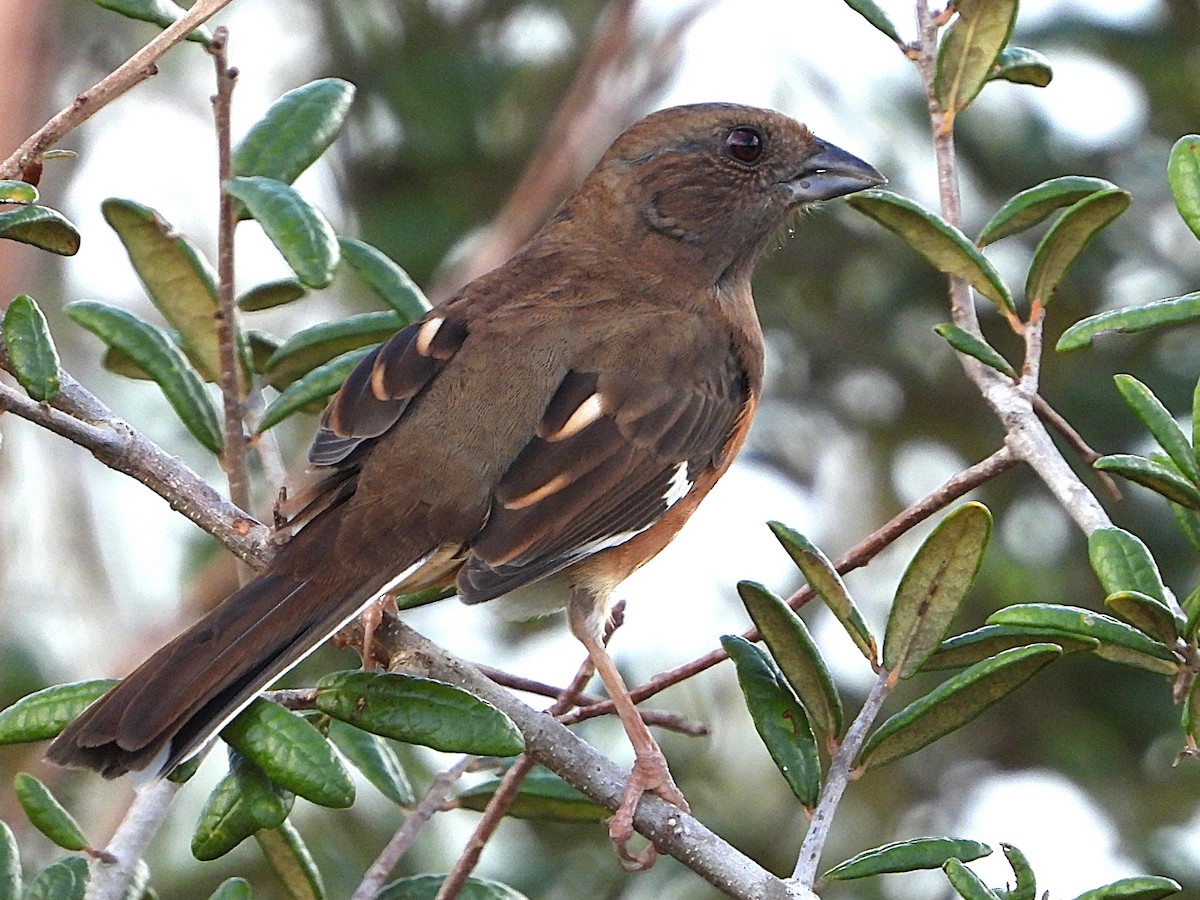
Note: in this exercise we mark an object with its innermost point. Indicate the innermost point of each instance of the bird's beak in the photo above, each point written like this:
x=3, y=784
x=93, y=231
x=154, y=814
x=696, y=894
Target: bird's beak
x=832, y=172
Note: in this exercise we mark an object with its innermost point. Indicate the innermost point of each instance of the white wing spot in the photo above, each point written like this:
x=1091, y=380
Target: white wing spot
x=427, y=333
x=679, y=486
x=588, y=412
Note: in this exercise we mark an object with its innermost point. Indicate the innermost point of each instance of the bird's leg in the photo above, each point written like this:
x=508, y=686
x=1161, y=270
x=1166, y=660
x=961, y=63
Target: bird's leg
x=650, y=772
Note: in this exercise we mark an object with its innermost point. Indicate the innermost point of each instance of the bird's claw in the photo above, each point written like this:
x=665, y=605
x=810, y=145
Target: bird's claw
x=649, y=775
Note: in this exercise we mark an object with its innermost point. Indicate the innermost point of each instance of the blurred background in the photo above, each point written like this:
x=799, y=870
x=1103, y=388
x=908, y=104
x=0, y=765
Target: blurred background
x=471, y=121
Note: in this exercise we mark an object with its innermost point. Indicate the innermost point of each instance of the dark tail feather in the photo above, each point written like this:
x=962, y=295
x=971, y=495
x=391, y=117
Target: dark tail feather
x=186, y=692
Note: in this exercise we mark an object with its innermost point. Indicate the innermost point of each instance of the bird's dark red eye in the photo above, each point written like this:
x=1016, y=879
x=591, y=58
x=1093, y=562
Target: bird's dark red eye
x=744, y=144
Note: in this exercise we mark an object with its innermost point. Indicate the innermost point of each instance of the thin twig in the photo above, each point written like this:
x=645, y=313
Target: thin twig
x=110, y=880
x=1074, y=439
x=137, y=68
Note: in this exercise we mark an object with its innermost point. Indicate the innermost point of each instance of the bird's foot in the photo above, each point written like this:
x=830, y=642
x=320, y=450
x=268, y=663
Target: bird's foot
x=649, y=775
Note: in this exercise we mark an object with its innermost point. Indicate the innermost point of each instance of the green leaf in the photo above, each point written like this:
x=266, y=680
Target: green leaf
x=270, y=294
x=157, y=355
x=314, y=387
x=233, y=889
x=262, y=347
x=1191, y=608
x=47, y=814
x=1153, y=475
x=933, y=588
x=297, y=129
x=1026, y=886
x=31, y=349
x=288, y=855
x=178, y=279
x=10, y=864
x=314, y=346
x=42, y=715
x=1141, y=887
x=954, y=703
x=297, y=229
x=243, y=802
x=969, y=49
x=66, y=879
x=906, y=856
x=385, y=278
x=1119, y=642
x=543, y=796
x=870, y=11
x=966, y=883
x=1067, y=238
x=796, y=654
x=1190, y=720
x=17, y=192
x=819, y=572
x=1160, y=423
x=426, y=887
x=1183, y=173
x=778, y=717
x=42, y=227
x=418, y=711
x=945, y=247
x=291, y=752
x=375, y=759
x=973, y=646
x=162, y=13
x=1020, y=65
x=1131, y=319
x=1123, y=563
x=1146, y=614
x=977, y=347
x=1034, y=204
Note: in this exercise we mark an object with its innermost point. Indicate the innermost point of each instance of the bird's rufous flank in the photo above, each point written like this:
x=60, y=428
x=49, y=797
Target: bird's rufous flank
x=558, y=418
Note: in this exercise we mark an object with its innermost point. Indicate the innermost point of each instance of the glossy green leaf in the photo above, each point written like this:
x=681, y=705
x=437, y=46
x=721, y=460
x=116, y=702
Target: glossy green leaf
x=233, y=889
x=31, y=349
x=262, y=347
x=17, y=192
x=375, y=759
x=778, y=718
x=954, y=703
x=945, y=247
x=1153, y=475
x=966, y=883
x=297, y=129
x=1020, y=65
x=314, y=387
x=1131, y=320
x=823, y=578
x=1123, y=563
x=1190, y=720
x=1026, y=884
x=42, y=715
x=969, y=648
x=178, y=279
x=1146, y=614
x=243, y=802
x=796, y=654
x=47, y=814
x=285, y=850
x=426, y=887
x=390, y=282
x=906, y=856
x=1183, y=174
x=1034, y=204
x=543, y=796
x=1067, y=238
x=157, y=355
x=162, y=13
x=1119, y=642
x=418, y=711
x=311, y=347
x=66, y=879
x=933, y=588
x=977, y=347
x=270, y=294
x=291, y=752
x=969, y=49
x=1191, y=609
x=297, y=229
x=41, y=227
x=1160, y=423
x=10, y=864
x=871, y=11
x=1140, y=887
x=183, y=772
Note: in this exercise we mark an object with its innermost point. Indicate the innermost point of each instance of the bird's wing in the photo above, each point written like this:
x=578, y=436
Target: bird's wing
x=611, y=455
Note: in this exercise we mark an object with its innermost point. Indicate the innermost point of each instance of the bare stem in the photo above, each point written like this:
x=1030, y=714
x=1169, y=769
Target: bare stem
x=112, y=874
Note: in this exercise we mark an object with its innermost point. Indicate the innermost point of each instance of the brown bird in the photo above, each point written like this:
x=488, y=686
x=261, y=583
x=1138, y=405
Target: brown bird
x=559, y=418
